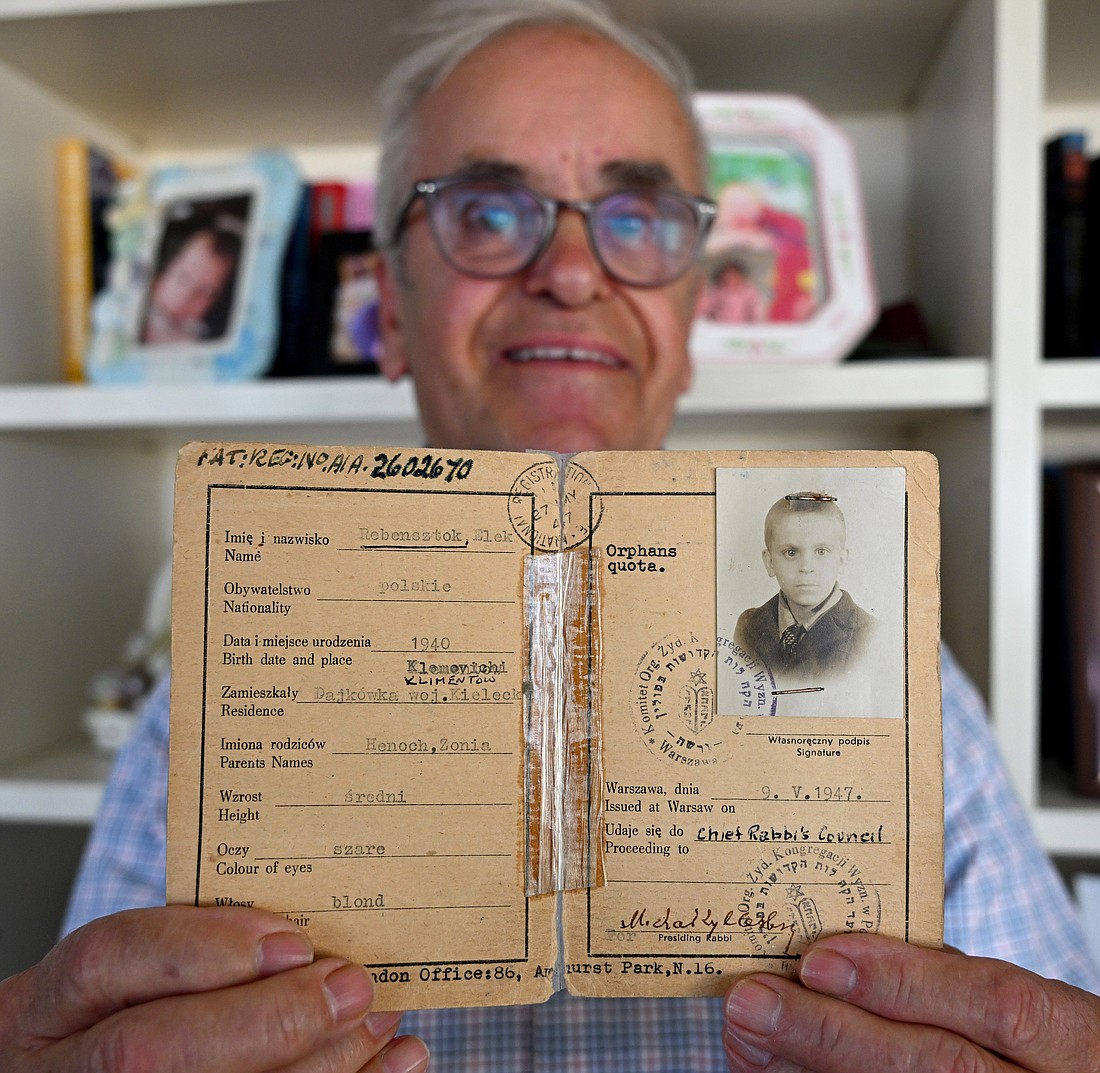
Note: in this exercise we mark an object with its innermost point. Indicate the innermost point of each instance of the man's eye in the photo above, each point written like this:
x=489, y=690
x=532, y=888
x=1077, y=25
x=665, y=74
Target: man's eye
x=628, y=228
x=633, y=223
x=488, y=218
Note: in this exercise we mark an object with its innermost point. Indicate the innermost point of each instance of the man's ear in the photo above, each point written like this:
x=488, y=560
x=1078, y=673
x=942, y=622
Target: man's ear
x=392, y=360
x=696, y=283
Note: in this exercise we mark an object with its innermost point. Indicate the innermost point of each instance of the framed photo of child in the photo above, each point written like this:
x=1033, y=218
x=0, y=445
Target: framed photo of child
x=764, y=258
x=344, y=328
x=192, y=296
x=787, y=265
x=193, y=288
x=811, y=585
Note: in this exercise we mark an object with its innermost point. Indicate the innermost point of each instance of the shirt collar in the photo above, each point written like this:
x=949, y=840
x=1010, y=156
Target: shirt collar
x=786, y=616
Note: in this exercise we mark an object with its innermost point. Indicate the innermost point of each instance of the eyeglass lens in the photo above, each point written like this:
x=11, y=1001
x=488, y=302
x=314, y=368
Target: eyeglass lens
x=485, y=228
x=492, y=229
x=644, y=238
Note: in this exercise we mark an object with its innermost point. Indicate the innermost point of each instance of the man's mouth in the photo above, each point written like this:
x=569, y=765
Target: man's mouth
x=570, y=354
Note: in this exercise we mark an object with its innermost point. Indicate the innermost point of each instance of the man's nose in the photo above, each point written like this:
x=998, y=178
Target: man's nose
x=568, y=270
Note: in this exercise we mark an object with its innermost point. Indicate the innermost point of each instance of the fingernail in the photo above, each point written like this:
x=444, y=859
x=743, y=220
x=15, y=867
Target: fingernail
x=406, y=1055
x=349, y=991
x=741, y=1048
x=383, y=1023
x=283, y=950
x=828, y=972
x=753, y=1006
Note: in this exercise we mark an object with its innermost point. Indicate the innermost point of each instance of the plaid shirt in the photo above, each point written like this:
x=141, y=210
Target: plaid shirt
x=1002, y=899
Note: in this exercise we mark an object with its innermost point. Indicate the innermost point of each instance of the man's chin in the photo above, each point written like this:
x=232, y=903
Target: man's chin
x=571, y=439
x=532, y=429
x=588, y=428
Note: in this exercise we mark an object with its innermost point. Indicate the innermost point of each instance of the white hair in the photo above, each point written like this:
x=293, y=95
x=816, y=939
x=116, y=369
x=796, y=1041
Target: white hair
x=451, y=30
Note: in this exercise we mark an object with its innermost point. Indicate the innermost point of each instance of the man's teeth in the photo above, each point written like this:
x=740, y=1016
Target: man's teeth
x=561, y=353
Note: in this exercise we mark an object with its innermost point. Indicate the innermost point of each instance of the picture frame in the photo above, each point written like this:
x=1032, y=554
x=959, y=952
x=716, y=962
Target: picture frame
x=787, y=262
x=193, y=290
x=344, y=330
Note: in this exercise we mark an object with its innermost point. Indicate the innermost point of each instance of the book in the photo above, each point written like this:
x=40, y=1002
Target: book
x=328, y=208
x=87, y=180
x=328, y=298
x=1082, y=506
x=294, y=292
x=359, y=206
x=498, y=724
x=1090, y=267
x=1056, y=712
x=1067, y=172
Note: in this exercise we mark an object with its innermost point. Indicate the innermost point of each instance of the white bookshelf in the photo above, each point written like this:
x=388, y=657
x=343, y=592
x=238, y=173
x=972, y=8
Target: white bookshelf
x=62, y=786
x=947, y=105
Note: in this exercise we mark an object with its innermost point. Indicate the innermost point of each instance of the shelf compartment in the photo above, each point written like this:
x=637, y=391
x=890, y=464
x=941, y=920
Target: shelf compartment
x=296, y=78
x=59, y=787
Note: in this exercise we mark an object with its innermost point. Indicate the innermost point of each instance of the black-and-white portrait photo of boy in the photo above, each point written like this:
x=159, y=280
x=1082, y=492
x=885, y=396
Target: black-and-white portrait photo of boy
x=811, y=584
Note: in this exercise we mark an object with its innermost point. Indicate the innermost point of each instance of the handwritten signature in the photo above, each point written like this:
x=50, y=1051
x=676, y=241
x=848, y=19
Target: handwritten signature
x=707, y=920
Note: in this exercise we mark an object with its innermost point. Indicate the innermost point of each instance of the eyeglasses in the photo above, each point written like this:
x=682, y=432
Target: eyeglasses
x=491, y=228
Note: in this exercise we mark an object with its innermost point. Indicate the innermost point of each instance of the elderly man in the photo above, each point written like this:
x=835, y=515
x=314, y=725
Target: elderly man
x=526, y=143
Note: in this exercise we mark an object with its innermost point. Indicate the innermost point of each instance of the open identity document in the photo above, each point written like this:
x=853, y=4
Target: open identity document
x=499, y=724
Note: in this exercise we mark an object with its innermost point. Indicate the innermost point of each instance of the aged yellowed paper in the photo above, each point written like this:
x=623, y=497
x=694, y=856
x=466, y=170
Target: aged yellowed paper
x=409, y=688
x=736, y=828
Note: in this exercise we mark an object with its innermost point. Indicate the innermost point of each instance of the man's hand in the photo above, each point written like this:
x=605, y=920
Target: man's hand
x=868, y=1003
x=196, y=990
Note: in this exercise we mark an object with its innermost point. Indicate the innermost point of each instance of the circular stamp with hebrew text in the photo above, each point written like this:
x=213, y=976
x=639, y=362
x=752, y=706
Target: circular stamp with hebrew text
x=548, y=516
x=800, y=891
x=745, y=683
x=674, y=702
